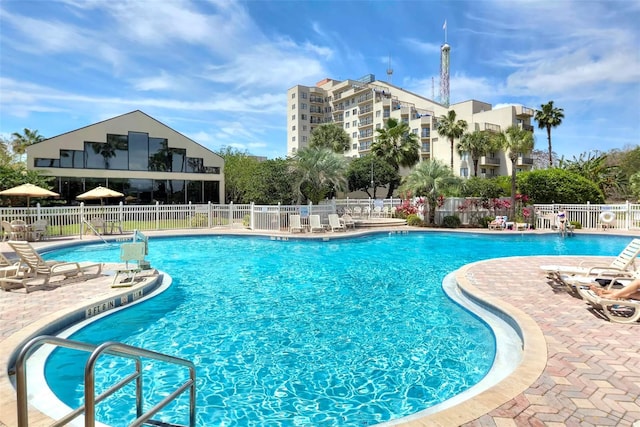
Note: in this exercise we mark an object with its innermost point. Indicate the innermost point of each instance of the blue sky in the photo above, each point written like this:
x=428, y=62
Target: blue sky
x=218, y=70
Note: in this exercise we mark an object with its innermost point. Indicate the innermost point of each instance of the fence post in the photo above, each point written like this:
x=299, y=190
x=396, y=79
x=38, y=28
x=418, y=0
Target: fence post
x=627, y=216
x=81, y=211
x=157, y=215
x=209, y=214
x=251, y=219
x=589, y=216
x=310, y=207
x=231, y=214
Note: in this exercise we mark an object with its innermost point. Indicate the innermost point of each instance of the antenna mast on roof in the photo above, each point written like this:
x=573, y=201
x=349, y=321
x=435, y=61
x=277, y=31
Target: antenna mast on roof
x=389, y=71
x=444, y=69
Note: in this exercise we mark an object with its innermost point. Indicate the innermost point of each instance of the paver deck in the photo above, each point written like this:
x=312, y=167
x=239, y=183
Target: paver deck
x=591, y=376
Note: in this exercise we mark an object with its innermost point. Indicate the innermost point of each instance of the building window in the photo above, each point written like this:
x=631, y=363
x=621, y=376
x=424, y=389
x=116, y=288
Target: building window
x=354, y=111
x=464, y=172
x=293, y=106
x=303, y=106
x=354, y=146
x=304, y=127
x=346, y=125
x=304, y=139
x=346, y=114
x=293, y=139
x=304, y=95
x=293, y=95
x=354, y=135
x=378, y=126
x=414, y=131
x=293, y=127
x=378, y=113
x=293, y=117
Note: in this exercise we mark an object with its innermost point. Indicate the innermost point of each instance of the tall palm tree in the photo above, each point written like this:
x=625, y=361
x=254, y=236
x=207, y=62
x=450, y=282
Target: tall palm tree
x=397, y=145
x=332, y=136
x=429, y=179
x=549, y=117
x=451, y=128
x=477, y=144
x=20, y=142
x=318, y=170
x=515, y=141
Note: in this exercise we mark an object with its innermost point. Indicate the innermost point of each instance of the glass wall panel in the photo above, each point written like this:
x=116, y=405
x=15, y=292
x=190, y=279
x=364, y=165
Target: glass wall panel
x=138, y=151
x=194, y=192
x=195, y=165
x=70, y=188
x=211, y=192
x=139, y=191
x=176, y=192
x=159, y=156
x=178, y=159
x=46, y=163
x=71, y=159
x=160, y=191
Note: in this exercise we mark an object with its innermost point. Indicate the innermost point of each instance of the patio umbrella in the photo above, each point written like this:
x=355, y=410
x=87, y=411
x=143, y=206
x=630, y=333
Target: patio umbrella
x=99, y=192
x=28, y=190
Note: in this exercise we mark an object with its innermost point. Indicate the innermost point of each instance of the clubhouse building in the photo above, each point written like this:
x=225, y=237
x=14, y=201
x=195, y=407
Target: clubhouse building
x=134, y=154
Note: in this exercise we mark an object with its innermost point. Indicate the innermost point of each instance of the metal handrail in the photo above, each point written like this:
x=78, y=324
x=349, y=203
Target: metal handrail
x=114, y=349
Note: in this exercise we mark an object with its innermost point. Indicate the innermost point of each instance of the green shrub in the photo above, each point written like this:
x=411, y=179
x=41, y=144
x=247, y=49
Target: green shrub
x=558, y=186
x=246, y=220
x=451, y=221
x=414, y=221
x=484, y=221
x=576, y=224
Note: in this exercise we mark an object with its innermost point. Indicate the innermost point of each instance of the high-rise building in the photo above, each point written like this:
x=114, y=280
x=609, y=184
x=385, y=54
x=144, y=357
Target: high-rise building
x=361, y=107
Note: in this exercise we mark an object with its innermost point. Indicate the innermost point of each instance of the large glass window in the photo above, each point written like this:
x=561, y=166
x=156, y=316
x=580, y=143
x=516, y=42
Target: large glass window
x=195, y=165
x=112, y=154
x=176, y=191
x=71, y=159
x=159, y=156
x=138, y=151
x=178, y=159
x=194, y=192
x=211, y=192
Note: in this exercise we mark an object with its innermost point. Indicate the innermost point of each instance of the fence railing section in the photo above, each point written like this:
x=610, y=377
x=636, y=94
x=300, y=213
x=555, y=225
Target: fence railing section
x=68, y=220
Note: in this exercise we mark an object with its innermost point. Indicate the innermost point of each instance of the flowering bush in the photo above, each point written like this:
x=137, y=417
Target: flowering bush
x=406, y=209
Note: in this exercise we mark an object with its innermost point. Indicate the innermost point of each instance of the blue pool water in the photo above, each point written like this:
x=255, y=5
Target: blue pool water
x=348, y=332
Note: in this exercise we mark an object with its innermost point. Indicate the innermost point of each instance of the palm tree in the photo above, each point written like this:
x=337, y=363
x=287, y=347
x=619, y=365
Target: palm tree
x=477, y=144
x=397, y=145
x=429, y=179
x=331, y=136
x=451, y=128
x=20, y=142
x=515, y=141
x=549, y=117
x=318, y=170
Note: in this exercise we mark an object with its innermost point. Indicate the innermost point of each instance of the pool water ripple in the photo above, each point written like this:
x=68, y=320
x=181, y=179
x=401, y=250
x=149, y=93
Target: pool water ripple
x=348, y=333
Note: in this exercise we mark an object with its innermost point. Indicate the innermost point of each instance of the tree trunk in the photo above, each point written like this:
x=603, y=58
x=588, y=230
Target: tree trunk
x=452, y=155
x=550, y=150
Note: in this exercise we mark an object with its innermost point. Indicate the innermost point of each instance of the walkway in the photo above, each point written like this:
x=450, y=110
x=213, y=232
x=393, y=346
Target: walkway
x=591, y=376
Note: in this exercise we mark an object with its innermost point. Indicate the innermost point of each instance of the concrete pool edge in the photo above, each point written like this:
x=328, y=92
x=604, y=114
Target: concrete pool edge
x=50, y=324
x=534, y=361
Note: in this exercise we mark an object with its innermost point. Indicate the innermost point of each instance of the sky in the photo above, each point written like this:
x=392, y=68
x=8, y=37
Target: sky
x=217, y=71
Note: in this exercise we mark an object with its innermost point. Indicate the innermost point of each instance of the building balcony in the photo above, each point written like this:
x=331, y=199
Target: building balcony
x=526, y=127
x=524, y=112
x=488, y=161
x=524, y=161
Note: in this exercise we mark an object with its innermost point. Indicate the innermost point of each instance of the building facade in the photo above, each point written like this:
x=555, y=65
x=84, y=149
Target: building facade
x=361, y=107
x=134, y=154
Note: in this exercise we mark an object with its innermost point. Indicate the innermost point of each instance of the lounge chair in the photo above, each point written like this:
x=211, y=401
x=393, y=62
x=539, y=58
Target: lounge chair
x=315, y=224
x=348, y=221
x=497, y=224
x=616, y=310
x=335, y=224
x=623, y=265
x=295, y=224
x=36, y=267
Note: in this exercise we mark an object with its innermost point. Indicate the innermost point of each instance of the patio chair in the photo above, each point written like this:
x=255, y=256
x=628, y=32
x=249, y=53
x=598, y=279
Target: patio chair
x=497, y=224
x=37, y=267
x=616, y=310
x=129, y=252
x=357, y=212
x=348, y=221
x=38, y=230
x=335, y=224
x=315, y=224
x=295, y=224
x=622, y=265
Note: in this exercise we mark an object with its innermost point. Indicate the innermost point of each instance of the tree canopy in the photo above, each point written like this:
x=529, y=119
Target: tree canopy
x=331, y=136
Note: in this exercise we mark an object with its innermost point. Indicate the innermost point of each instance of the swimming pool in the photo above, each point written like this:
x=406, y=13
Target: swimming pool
x=349, y=332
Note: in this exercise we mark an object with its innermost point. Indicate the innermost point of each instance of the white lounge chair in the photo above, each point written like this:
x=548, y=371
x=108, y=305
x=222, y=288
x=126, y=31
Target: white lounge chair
x=624, y=264
x=348, y=221
x=35, y=267
x=315, y=224
x=295, y=224
x=335, y=224
x=616, y=310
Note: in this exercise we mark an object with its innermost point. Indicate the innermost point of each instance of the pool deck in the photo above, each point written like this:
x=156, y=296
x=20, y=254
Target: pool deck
x=578, y=369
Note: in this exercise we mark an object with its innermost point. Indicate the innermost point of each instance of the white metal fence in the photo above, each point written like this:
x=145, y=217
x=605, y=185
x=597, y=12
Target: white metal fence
x=68, y=220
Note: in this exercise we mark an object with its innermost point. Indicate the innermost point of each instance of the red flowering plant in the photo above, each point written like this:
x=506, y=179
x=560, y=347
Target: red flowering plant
x=406, y=209
x=522, y=214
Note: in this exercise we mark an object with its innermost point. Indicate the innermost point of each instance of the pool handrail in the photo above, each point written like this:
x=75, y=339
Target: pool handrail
x=112, y=348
